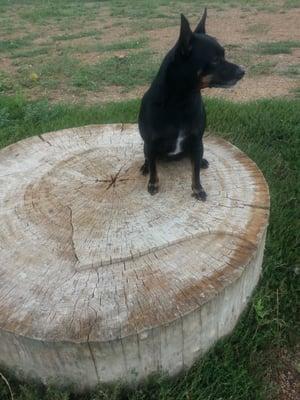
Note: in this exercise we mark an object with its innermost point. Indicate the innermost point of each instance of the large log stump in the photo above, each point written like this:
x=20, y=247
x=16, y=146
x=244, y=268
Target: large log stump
x=101, y=281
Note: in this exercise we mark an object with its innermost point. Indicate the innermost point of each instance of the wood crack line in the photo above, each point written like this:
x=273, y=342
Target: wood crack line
x=44, y=140
x=114, y=178
x=72, y=233
x=258, y=206
x=93, y=359
x=89, y=344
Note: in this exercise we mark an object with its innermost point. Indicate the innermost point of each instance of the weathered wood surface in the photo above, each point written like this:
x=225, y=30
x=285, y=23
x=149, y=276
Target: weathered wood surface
x=101, y=281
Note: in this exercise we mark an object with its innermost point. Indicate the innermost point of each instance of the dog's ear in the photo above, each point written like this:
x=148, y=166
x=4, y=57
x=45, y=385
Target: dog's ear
x=184, y=42
x=201, y=26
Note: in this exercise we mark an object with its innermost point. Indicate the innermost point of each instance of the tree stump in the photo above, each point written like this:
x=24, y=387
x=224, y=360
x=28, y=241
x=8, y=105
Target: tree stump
x=101, y=281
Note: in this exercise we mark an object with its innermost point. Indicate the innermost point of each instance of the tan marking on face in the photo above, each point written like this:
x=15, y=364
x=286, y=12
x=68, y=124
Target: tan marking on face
x=205, y=81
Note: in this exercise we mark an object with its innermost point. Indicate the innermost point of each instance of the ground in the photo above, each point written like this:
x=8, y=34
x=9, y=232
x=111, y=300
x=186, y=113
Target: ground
x=81, y=55
x=286, y=373
x=95, y=52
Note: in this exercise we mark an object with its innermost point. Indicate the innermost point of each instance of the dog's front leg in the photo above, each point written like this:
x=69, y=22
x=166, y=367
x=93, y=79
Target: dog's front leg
x=153, y=179
x=197, y=162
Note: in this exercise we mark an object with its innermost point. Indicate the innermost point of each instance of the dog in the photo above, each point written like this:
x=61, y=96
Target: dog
x=172, y=116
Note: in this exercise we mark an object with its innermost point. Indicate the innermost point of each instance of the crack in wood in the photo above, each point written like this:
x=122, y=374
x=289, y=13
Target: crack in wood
x=114, y=178
x=247, y=204
x=93, y=360
x=72, y=233
x=44, y=140
x=88, y=337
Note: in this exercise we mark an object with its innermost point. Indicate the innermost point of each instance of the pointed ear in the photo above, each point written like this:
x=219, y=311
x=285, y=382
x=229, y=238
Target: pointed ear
x=201, y=26
x=185, y=36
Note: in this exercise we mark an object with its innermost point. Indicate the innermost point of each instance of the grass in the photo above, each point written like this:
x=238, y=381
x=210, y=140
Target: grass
x=263, y=68
x=258, y=28
x=6, y=83
x=236, y=368
x=296, y=92
x=47, y=74
x=41, y=71
x=292, y=70
x=280, y=47
x=39, y=51
x=291, y=4
x=131, y=44
x=128, y=71
x=152, y=8
x=8, y=45
x=38, y=33
x=40, y=12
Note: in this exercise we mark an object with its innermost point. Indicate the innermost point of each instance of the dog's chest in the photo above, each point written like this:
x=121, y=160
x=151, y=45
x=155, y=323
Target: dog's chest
x=177, y=145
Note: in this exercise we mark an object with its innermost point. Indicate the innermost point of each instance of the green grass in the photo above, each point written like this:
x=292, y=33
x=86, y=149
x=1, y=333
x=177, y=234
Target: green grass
x=140, y=9
x=280, y=47
x=42, y=12
x=51, y=73
x=257, y=28
x=292, y=4
x=268, y=131
x=263, y=68
x=296, y=92
x=152, y=8
x=131, y=44
x=126, y=45
x=6, y=82
x=38, y=51
x=8, y=45
x=30, y=53
x=128, y=71
x=292, y=71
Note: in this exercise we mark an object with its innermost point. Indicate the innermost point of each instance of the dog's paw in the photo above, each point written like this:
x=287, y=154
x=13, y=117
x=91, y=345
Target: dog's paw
x=204, y=163
x=153, y=188
x=144, y=169
x=199, y=194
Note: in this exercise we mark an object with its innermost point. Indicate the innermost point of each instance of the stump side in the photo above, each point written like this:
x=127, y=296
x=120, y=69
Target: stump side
x=107, y=282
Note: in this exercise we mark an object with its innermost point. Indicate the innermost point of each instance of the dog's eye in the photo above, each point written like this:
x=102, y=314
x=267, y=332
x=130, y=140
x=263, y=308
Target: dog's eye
x=216, y=60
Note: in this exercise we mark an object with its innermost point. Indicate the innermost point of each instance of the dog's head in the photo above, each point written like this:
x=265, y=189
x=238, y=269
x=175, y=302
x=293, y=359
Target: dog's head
x=204, y=57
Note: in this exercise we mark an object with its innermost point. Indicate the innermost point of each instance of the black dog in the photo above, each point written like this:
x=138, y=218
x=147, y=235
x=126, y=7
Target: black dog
x=172, y=115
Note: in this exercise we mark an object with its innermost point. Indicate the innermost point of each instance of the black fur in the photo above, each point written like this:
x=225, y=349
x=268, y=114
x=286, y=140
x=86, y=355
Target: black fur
x=172, y=114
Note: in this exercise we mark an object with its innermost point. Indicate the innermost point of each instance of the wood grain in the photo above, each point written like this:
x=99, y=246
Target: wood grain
x=101, y=281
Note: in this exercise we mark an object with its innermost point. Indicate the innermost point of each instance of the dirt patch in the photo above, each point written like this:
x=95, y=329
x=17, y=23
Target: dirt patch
x=255, y=88
x=233, y=27
x=6, y=64
x=242, y=30
x=90, y=58
x=285, y=375
x=95, y=57
x=116, y=33
x=239, y=30
x=108, y=94
x=248, y=89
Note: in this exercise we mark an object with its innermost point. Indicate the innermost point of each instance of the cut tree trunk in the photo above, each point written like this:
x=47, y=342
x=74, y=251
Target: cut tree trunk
x=101, y=281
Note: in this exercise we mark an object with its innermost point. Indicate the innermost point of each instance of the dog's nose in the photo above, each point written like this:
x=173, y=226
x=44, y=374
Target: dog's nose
x=240, y=72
